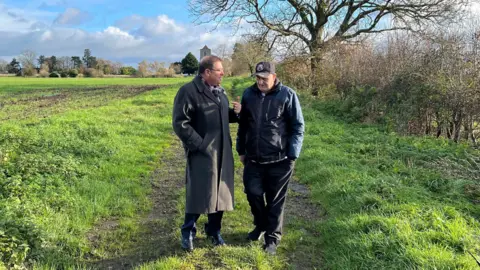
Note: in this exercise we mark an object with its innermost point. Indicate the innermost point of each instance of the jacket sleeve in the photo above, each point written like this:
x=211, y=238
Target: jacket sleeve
x=296, y=127
x=183, y=111
x=242, y=127
x=232, y=116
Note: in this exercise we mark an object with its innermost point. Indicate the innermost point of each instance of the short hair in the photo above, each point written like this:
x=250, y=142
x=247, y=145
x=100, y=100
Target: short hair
x=207, y=63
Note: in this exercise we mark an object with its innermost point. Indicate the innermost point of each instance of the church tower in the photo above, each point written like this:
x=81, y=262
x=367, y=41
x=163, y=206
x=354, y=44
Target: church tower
x=204, y=52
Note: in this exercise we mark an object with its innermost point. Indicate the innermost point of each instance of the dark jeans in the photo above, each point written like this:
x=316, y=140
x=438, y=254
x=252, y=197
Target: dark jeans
x=189, y=227
x=266, y=188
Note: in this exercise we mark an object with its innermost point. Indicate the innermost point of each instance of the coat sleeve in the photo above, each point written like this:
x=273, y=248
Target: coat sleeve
x=242, y=127
x=296, y=127
x=183, y=111
x=232, y=116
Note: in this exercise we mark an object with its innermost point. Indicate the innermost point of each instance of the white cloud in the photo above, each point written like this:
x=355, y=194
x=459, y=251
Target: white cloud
x=475, y=8
x=130, y=40
x=151, y=27
x=72, y=16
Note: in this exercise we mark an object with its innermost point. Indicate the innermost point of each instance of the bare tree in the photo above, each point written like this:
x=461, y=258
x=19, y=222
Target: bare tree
x=142, y=70
x=116, y=67
x=64, y=63
x=27, y=59
x=316, y=23
x=3, y=66
x=223, y=51
x=248, y=53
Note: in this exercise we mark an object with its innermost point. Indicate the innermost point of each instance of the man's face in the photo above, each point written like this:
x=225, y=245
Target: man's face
x=266, y=84
x=214, y=75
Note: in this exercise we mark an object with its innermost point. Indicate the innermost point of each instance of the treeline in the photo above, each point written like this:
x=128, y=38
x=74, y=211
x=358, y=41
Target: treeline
x=29, y=65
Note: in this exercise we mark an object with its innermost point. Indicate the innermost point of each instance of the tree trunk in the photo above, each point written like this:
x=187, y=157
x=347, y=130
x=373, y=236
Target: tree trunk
x=467, y=127
x=427, y=124
x=450, y=130
x=439, y=124
x=315, y=69
x=457, y=121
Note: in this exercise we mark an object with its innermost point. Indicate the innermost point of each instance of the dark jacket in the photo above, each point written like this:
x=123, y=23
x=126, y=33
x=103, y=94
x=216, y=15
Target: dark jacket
x=271, y=127
x=202, y=124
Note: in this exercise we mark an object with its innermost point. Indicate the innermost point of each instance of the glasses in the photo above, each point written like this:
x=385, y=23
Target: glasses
x=219, y=70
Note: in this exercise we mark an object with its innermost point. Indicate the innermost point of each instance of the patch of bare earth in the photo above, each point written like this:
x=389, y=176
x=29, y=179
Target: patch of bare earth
x=302, y=215
x=156, y=237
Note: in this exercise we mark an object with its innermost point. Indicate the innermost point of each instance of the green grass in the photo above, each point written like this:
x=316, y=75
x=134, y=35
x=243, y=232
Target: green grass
x=392, y=202
x=383, y=201
x=9, y=85
x=61, y=174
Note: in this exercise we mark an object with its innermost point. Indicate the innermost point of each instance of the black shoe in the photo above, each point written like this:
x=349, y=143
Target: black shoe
x=187, y=243
x=271, y=248
x=217, y=240
x=255, y=234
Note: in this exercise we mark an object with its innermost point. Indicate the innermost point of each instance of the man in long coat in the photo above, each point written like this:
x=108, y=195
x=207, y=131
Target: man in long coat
x=201, y=117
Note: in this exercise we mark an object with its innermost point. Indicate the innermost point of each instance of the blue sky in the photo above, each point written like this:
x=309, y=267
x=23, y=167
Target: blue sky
x=125, y=31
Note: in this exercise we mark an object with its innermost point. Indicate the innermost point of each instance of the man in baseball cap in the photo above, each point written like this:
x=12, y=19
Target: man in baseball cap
x=269, y=140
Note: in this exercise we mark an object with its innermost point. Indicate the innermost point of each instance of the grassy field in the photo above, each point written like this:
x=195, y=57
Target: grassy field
x=67, y=163
x=9, y=85
x=91, y=176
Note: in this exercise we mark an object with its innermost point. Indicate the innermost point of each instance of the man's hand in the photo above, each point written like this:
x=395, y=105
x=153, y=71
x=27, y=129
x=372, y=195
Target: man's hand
x=242, y=159
x=237, y=107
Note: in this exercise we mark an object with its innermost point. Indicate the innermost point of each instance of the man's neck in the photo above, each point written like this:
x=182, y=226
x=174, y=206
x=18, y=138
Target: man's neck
x=266, y=92
x=206, y=82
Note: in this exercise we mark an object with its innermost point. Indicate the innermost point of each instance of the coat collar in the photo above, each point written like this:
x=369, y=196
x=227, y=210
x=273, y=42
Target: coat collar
x=203, y=88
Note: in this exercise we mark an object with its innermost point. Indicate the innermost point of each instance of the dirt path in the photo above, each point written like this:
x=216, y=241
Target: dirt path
x=302, y=216
x=157, y=237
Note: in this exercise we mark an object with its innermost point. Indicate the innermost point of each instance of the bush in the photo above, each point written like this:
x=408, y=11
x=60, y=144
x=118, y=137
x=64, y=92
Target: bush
x=73, y=73
x=54, y=75
x=93, y=73
x=29, y=71
x=44, y=73
x=64, y=74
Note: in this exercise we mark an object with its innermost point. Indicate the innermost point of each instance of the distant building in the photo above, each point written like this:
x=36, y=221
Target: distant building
x=204, y=52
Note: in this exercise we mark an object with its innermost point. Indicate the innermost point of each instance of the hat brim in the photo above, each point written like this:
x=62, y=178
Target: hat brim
x=262, y=74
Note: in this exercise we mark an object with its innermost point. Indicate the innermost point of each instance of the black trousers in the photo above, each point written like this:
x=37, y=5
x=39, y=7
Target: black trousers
x=266, y=188
x=189, y=227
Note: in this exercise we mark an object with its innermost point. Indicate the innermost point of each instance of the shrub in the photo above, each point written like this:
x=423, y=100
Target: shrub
x=93, y=73
x=73, y=73
x=44, y=73
x=29, y=71
x=54, y=75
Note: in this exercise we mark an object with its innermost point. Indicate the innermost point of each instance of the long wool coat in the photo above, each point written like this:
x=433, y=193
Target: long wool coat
x=201, y=122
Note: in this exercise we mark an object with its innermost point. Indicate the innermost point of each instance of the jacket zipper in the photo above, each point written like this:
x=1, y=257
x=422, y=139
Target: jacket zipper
x=259, y=125
x=268, y=109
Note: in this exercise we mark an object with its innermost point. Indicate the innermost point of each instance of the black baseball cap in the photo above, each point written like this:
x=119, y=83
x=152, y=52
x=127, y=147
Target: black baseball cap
x=263, y=69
